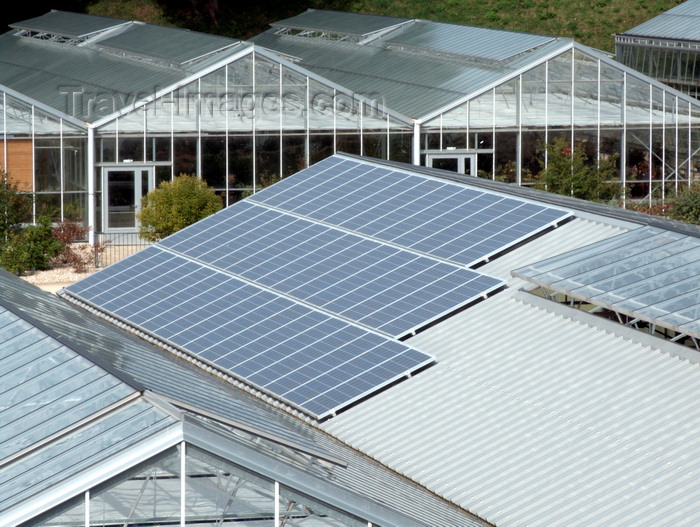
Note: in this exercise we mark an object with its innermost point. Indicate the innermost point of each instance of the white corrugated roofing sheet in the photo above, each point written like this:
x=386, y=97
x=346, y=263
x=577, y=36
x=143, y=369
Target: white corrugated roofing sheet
x=530, y=417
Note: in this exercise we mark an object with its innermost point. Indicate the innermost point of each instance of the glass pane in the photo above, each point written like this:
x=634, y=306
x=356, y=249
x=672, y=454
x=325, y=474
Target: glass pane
x=321, y=100
x=293, y=100
x=218, y=491
x=534, y=97
x=214, y=161
x=240, y=161
x=507, y=103
x=47, y=164
x=121, y=199
x=211, y=105
x=611, y=85
x=481, y=112
x=147, y=495
x=559, y=90
x=585, y=91
x=184, y=108
x=185, y=149
x=446, y=163
x=75, y=164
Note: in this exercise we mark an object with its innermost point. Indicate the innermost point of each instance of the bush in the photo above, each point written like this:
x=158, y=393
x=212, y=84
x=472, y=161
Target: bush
x=174, y=205
x=31, y=248
x=571, y=173
x=15, y=208
x=685, y=206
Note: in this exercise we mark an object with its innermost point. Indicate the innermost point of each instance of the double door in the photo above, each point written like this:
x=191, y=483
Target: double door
x=123, y=188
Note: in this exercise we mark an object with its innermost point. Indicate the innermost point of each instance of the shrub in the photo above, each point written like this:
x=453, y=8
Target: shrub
x=571, y=173
x=78, y=256
x=685, y=206
x=174, y=205
x=31, y=248
x=15, y=208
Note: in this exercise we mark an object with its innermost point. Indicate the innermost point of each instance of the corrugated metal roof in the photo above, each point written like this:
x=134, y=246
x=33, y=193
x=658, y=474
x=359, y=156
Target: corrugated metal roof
x=679, y=23
x=167, y=44
x=70, y=25
x=530, y=417
x=351, y=24
x=467, y=41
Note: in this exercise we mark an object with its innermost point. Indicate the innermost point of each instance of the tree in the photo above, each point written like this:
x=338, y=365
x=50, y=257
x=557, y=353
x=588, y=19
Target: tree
x=685, y=206
x=174, y=205
x=571, y=173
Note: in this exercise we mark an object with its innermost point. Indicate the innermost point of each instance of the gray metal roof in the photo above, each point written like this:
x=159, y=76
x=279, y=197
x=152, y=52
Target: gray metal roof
x=161, y=43
x=413, y=84
x=70, y=25
x=140, y=60
x=466, y=41
x=536, y=414
x=351, y=24
x=679, y=23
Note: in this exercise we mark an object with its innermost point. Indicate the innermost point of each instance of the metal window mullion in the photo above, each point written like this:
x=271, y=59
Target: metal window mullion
x=145, y=128
x=183, y=484
x=441, y=147
x=226, y=139
x=4, y=131
x=519, y=143
x=362, y=127
x=254, y=123
x=198, y=113
x=663, y=146
x=675, y=178
x=493, y=133
x=308, y=121
x=61, y=161
x=277, y=504
x=572, y=109
x=598, y=119
x=87, y=508
x=172, y=137
x=388, y=137
x=651, y=125
x=690, y=143
x=335, y=124
x=546, y=113
x=623, y=143
x=280, y=102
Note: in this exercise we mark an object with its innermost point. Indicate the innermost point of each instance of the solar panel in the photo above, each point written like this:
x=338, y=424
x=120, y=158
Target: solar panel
x=317, y=362
x=650, y=273
x=374, y=284
x=444, y=219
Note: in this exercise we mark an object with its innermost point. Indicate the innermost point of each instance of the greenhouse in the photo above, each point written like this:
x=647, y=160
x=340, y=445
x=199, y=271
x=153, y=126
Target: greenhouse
x=98, y=111
x=666, y=48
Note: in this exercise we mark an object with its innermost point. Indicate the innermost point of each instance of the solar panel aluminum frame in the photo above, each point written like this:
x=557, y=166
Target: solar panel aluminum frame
x=228, y=375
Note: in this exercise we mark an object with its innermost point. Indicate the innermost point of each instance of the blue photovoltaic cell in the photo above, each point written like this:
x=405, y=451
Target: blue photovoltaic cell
x=384, y=287
x=311, y=359
x=455, y=222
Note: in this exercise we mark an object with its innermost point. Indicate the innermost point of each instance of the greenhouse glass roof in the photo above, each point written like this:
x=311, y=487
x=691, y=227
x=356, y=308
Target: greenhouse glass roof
x=679, y=23
x=69, y=25
x=647, y=273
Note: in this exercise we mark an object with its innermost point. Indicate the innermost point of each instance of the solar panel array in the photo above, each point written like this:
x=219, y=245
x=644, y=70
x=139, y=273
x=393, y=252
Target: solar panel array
x=305, y=289
x=647, y=272
x=371, y=283
x=461, y=224
x=315, y=361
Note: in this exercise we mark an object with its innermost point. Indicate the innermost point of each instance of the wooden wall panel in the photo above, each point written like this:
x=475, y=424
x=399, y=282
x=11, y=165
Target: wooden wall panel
x=19, y=163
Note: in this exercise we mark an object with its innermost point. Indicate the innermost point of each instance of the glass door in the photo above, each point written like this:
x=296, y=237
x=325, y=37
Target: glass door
x=123, y=189
x=460, y=163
